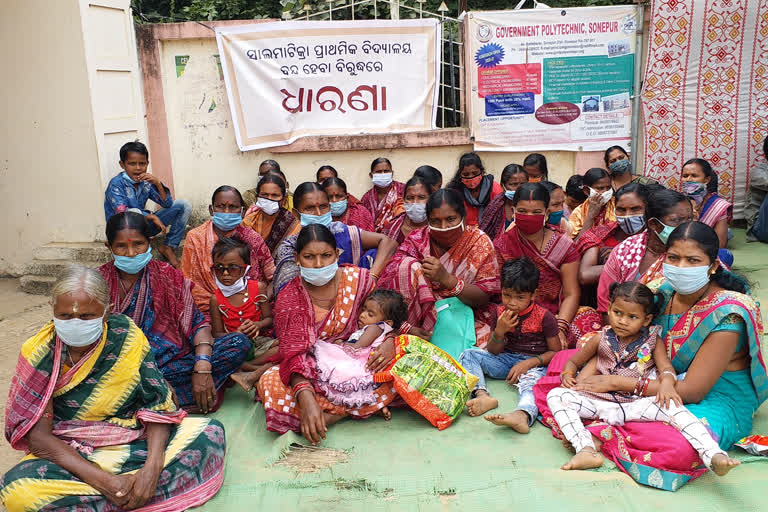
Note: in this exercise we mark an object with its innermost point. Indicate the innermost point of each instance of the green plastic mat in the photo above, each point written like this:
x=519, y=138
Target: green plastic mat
x=406, y=464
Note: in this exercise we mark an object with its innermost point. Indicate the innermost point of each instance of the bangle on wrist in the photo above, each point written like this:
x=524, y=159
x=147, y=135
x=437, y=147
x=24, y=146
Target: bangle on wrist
x=541, y=361
x=456, y=290
x=204, y=343
x=205, y=372
x=202, y=357
x=566, y=371
x=496, y=340
x=668, y=372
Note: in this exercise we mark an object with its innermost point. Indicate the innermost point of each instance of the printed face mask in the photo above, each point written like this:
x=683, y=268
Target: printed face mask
x=472, y=183
x=695, y=190
x=338, y=208
x=268, y=206
x=382, y=179
x=133, y=264
x=446, y=237
x=529, y=224
x=76, y=332
x=620, y=166
x=631, y=224
x=319, y=276
x=227, y=221
x=686, y=280
x=324, y=219
x=417, y=212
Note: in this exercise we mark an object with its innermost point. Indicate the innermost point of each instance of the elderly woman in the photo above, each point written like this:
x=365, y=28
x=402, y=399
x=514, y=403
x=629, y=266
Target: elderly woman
x=711, y=329
x=323, y=302
x=159, y=300
x=356, y=247
x=267, y=216
x=226, y=211
x=445, y=259
x=90, y=406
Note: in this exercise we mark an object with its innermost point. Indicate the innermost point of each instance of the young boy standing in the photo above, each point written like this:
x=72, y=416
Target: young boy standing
x=130, y=190
x=521, y=347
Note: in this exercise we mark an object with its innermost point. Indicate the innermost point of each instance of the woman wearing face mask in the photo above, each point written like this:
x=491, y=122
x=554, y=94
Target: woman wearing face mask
x=445, y=259
x=700, y=185
x=384, y=199
x=356, y=247
x=500, y=212
x=711, y=329
x=160, y=301
x=599, y=208
x=556, y=217
x=344, y=207
x=431, y=175
x=476, y=187
x=57, y=411
x=415, y=216
x=535, y=165
x=553, y=253
x=226, y=211
x=596, y=244
x=267, y=217
x=640, y=256
x=619, y=164
x=322, y=302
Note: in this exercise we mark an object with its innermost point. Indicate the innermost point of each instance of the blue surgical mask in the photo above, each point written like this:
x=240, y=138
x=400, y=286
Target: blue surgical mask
x=555, y=218
x=631, y=224
x=227, y=221
x=127, y=178
x=382, y=179
x=338, y=208
x=319, y=276
x=76, y=332
x=664, y=235
x=686, y=280
x=509, y=194
x=620, y=166
x=133, y=264
x=324, y=219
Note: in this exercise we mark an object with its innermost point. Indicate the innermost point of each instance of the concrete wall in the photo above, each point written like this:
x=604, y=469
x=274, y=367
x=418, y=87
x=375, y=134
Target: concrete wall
x=49, y=169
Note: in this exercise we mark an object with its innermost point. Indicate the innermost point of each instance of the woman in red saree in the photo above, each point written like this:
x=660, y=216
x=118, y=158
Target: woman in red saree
x=711, y=329
x=345, y=207
x=553, y=253
x=445, y=259
x=417, y=191
x=322, y=303
x=500, y=212
x=384, y=200
x=640, y=257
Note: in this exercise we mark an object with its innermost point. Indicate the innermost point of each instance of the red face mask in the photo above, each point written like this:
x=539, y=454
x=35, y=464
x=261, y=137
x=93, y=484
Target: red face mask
x=472, y=183
x=529, y=224
x=446, y=237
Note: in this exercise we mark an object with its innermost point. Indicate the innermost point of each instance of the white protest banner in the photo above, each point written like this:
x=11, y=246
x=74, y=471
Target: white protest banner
x=287, y=80
x=551, y=79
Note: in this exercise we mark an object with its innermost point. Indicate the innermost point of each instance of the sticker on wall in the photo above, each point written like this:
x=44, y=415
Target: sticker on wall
x=181, y=63
x=218, y=64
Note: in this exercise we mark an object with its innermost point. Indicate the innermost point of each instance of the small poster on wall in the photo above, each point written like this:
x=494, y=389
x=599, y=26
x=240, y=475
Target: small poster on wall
x=551, y=79
x=287, y=80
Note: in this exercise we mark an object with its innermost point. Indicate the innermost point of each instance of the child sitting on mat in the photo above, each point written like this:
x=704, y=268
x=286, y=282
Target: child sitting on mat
x=521, y=346
x=627, y=348
x=341, y=372
x=240, y=306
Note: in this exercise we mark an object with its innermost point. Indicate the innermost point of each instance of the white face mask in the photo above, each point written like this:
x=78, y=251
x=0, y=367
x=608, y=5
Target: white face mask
x=382, y=179
x=268, y=206
x=604, y=197
x=76, y=332
x=237, y=287
x=417, y=212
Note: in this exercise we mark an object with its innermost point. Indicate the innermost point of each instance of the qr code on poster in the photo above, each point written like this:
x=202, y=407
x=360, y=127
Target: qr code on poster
x=619, y=48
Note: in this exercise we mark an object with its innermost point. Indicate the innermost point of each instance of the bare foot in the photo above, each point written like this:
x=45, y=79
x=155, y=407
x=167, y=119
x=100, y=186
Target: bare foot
x=244, y=379
x=170, y=255
x=517, y=421
x=481, y=404
x=386, y=413
x=587, y=458
x=330, y=419
x=722, y=464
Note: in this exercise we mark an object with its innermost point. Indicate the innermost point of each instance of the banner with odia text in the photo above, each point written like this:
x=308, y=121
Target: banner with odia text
x=551, y=79
x=287, y=80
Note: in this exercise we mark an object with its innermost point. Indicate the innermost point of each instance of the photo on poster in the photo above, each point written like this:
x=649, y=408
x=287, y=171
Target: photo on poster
x=590, y=103
x=616, y=102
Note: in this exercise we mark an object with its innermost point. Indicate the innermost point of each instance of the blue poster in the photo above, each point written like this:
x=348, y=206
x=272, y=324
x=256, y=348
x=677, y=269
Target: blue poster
x=509, y=104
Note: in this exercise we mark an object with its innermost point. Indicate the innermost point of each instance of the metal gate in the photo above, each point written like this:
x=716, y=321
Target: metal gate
x=450, y=112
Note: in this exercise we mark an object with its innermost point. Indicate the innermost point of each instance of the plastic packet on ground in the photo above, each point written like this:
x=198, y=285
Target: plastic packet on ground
x=430, y=381
x=756, y=445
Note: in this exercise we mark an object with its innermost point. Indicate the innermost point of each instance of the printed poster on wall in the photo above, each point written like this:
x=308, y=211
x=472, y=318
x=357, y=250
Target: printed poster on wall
x=551, y=79
x=287, y=80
